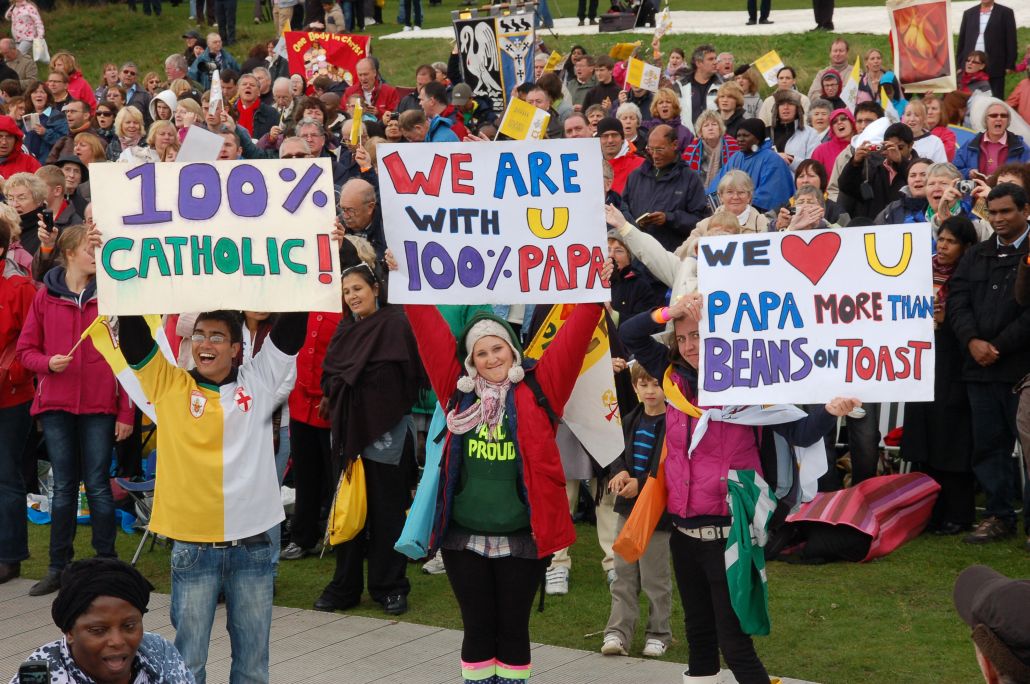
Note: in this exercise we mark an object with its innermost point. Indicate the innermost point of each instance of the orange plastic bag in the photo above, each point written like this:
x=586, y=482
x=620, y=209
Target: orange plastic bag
x=647, y=511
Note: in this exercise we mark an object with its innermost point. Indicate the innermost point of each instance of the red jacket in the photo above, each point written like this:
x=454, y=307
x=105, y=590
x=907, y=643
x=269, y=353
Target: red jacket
x=623, y=166
x=55, y=322
x=17, y=161
x=80, y=89
x=307, y=391
x=536, y=451
x=16, y=294
x=385, y=97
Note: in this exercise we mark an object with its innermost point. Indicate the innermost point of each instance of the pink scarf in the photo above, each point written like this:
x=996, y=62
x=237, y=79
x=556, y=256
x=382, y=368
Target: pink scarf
x=488, y=409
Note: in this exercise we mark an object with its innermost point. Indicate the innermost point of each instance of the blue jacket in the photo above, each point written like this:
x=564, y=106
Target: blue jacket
x=440, y=130
x=774, y=183
x=55, y=127
x=203, y=75
x=967, y=158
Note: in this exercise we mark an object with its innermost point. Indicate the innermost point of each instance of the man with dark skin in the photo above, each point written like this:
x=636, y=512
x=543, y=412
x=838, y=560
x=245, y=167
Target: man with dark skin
x=995, y=329
x=664, y=196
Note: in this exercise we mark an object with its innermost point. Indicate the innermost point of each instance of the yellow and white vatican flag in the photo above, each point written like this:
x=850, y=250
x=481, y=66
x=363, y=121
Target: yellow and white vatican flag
x=643, y=75
x=523, y=121
x=104, y=335
x=849, y=93
x=593, y=409
x=768, y=65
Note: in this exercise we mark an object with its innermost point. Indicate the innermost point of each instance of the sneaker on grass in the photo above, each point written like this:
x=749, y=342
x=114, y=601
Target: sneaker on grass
x=654, y=648
x=556, y=581
x=613, y=645
x=434, y=566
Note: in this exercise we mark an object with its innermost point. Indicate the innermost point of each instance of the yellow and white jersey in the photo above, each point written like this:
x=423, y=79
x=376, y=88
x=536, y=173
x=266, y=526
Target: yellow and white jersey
x=216, y=478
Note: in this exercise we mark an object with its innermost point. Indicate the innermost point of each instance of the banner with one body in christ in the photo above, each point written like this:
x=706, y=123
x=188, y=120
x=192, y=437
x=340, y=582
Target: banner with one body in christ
x=802, y=317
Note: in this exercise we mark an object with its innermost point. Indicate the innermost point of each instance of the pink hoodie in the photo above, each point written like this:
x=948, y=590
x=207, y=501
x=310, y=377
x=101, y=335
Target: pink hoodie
x=826, y=153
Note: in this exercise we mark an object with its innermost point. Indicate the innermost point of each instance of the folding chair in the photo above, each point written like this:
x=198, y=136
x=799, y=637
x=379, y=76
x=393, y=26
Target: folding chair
x=140, y=493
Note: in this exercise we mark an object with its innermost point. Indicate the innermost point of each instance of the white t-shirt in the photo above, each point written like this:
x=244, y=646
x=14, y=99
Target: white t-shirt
x=984, y=18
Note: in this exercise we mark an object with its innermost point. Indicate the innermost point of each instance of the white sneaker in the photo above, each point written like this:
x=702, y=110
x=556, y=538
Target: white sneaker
x=613, y=645
x=654, y=648
x=557, y=581
x=434, y=566
x=416, y=28
x=611, y=576
x=406, y=29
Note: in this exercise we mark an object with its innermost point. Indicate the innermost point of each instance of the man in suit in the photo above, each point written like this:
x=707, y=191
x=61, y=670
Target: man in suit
x=990, y=28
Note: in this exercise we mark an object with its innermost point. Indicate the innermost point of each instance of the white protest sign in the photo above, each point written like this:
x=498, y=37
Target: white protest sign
x=803, y=317
x=495, y=223
x=199, y=145
x=238, y=235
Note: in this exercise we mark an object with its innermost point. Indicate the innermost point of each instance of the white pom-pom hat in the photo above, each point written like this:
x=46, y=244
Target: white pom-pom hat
x=484, y=325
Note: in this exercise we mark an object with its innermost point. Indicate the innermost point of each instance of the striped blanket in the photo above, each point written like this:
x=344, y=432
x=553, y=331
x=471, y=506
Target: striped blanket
x=891, y=509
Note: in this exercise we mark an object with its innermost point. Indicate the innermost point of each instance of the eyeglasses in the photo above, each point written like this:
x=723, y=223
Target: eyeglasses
x=128, y=73
x=659, y=150
x=200, y=338
x=294, y=155
x=350, y=211
x=973, y=60
x=100, y=113
x=998, y=115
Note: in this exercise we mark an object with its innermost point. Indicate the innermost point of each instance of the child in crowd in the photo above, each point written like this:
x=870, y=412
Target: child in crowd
x=644, y=429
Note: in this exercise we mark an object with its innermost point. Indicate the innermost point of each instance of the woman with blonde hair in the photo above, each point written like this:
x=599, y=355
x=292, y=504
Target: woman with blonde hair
x=730, y=103
x=89, y=148
x=712, y=147
x=926, y=145
x=17, y=260
x=665, y=108
x=151, y=83
x=128, y=132
x=747, y=79
x=869, y=84
x=187, y=113
x=78, y=86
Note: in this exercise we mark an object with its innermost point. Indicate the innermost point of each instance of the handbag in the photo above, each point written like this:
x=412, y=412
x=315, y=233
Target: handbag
x=350, y=506
x=643, y=519
x=40, y=50
x=414, y=539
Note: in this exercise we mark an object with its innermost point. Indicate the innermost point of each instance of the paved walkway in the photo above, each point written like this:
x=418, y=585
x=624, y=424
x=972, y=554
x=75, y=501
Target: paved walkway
x=846, y=19
x=323, y=648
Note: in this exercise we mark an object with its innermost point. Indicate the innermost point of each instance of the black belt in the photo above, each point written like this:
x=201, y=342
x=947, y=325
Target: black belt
x=262, y=538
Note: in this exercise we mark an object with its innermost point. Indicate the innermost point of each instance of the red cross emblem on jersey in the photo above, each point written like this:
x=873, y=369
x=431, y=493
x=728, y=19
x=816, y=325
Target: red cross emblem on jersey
x=243, y=400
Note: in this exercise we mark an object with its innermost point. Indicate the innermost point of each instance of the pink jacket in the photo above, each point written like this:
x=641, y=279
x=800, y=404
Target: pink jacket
x=53, y=326
x=697, y=485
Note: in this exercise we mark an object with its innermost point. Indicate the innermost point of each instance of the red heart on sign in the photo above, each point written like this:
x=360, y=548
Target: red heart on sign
x=813, y=258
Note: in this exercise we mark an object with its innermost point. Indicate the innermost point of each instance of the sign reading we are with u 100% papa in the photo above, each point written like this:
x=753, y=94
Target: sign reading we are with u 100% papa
x=495, y=222
x=251, y=235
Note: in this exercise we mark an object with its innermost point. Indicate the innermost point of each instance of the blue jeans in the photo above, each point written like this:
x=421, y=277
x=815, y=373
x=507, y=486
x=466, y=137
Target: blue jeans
x=79, y=448
x=993, y=406
x=14, y=430
x=244, y=575
x=281, y=458
x=407, y=9
x=225, y=15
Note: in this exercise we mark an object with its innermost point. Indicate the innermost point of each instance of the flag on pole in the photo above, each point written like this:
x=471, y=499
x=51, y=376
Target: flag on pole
x=554, y=61
x=102, y=331
x=664, y=23
x=523, y=121
x=216, y=92
x=849, y=93
x=592, y=412
x=643, y=75
x=622, y=51
x=888, y=106
x=768, y=65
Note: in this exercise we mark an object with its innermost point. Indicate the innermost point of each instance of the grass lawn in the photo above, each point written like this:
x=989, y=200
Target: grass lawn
x=113, y=33
x=891, y=620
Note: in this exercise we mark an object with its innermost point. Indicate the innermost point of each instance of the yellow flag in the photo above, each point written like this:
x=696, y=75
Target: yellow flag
x=623, y=50
x=849, y=93
x=643, y=75
x=885, y=101
x=553, y=60
x=355, y=131
x=767, y=65
x=523, y=121
x=105, y=341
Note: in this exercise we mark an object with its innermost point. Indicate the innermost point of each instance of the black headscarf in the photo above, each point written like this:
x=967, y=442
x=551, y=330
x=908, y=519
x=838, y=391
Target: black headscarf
x=85, y=580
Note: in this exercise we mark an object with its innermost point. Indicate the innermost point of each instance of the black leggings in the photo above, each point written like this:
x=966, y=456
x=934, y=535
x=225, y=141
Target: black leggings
x=496, y=597
x=712, y=625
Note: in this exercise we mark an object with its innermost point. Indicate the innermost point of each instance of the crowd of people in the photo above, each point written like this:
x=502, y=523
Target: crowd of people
x=704, y=154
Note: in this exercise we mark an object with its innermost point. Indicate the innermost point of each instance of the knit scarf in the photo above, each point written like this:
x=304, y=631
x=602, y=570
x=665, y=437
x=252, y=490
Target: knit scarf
x=128, y=142
x=941, y=275
x=488, y=409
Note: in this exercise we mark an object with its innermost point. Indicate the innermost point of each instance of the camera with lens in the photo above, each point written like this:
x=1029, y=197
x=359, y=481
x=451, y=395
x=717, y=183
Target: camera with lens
x=209, y=66
x=966, y=187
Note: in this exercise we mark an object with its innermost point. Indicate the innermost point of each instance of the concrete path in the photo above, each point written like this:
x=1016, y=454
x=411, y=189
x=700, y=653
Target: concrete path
x=312, y=648
x=846, y=19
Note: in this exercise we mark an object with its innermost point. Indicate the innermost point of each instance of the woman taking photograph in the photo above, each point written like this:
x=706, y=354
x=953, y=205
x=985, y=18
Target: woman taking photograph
x=48, y=125
x=79, y=402
x=712, y=148
x=128, y=133
x=502, y=509
x=938, y=434
x=372, y=377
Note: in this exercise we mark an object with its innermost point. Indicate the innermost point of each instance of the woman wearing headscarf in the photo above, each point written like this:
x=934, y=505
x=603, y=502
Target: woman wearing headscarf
x=502, y=509
x=773, y=182
x=792, y=140
x=371, y=379
x=100, y=612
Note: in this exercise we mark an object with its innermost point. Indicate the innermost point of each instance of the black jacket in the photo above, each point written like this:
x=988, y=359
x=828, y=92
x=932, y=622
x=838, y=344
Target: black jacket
x=999, y=38
x=675, y=190
x=634, y=291
x=630, y=422
x=879, y=189
x=982, y=305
